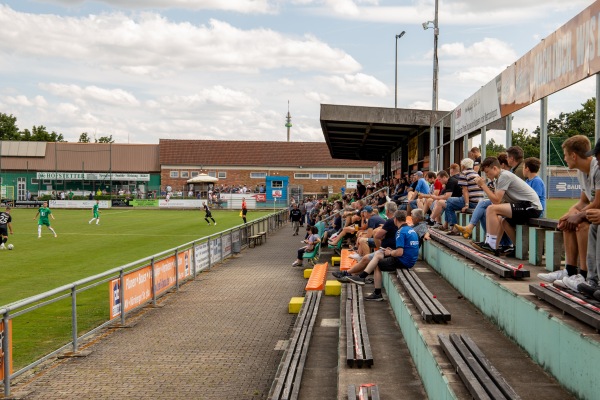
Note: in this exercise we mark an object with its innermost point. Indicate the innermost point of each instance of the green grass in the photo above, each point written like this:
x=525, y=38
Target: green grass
x=82, y=250
x=556, y=208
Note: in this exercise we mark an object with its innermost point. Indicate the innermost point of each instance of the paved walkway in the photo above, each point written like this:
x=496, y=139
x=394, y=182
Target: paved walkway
x=215, y=339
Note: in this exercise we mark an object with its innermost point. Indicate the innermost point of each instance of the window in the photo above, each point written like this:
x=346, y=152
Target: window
x=222, y=175
x=35, y=181
x=355, y=176
x=212, y=173
x=59, y=182
x=258, y=175
x=277, y=184
x=46, y=182
x=174, y=174
x=185, y=174
x=319, y=176
x=301, y=176
x=195, y=174
x=337, y=176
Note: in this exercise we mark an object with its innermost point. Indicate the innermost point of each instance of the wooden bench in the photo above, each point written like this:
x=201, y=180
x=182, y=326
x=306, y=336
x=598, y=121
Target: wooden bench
x=367, y=391
x=254, y=240
x=358, y=346
x=346, y=262
x=480, y=377
x=286, y=384
x=317, y=278
x=427, y=304
x=487, y=261
x=575, y=304
x=263, y=235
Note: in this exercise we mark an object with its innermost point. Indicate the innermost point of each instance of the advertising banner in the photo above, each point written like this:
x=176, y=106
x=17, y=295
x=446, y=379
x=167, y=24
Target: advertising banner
x=138, y=289
x=78, y=204
x=226, y=246
x=86, y=176
x=184, y=266
x=413, y=151
x=180, y=203
x=260, y=197
x=144, y=203
x=215, y=250
x=564, y=187
x=201, y=256
x=351, y=183
x=120, y=203
x=477, y=111
x=10, y=361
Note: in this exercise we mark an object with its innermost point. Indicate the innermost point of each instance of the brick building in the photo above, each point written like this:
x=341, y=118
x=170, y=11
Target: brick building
x=307, y=164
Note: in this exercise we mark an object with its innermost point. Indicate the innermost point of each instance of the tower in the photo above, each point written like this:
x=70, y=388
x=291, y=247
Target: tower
x=288, y=123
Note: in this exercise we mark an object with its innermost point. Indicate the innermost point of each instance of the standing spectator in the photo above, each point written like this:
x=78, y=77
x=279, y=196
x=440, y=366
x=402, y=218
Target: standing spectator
x=361, y=189
x=208, y=214
x=5, y=227
x=308, y=206
x=244, y=209
x=302, y=208
x=44, y=213
x=295, y=216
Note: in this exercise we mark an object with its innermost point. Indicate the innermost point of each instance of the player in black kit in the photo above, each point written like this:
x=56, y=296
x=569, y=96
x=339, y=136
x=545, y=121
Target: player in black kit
x=208, y=214
x=5, y=227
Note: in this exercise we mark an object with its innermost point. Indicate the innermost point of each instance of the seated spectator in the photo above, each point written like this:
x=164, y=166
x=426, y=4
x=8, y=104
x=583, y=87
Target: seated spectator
x=422, y=186
x=365, y=238
x=381, y=200
x=574, y=224
x=451, y=189
x=475, y=155
x=513, y=202
x=354, y=227
x=530, y=171
x=472, y=194
x=420, y=225
x=403, y=256
x=435, y=188
x=311, y=241
x=515, y=160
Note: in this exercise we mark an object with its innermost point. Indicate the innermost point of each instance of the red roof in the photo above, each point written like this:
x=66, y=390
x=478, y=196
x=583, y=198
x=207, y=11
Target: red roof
x=252, y=153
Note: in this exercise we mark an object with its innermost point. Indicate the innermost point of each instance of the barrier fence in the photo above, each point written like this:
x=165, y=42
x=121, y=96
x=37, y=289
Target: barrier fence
x=130, y=287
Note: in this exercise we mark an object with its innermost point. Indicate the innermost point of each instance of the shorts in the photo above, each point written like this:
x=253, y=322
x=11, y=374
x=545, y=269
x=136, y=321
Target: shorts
x=208, y=215
x=96, y=215
x=3, y=230
x=244, y=211
x=44, y=222
x=521, y=212
x=390, y=264
x=371, y=243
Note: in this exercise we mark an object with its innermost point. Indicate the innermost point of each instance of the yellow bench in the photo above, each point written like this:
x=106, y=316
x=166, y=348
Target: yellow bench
x=295, y=305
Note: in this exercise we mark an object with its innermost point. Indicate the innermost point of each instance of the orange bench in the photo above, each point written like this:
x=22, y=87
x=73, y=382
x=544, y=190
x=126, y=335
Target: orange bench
x=317, y=277
x=346, y=262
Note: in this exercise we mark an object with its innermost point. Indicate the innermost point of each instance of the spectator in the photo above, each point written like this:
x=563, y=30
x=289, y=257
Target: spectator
x=311, y=242
x=574, y=224
x=513, y=202
x=515, y=160
x=381, y=200
x=451, y=189
x=302, y=208
x=360, y=189
x=308, y=206
x=422, y=186
x=530, y=170
x=365, y=238
x=472, y=194
x=295, y=216
x=475, y=155
x=403, y=256
x=353, y=227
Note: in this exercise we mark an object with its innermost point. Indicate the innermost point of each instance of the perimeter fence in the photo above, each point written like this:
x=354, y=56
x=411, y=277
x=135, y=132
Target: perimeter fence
x=84, y=307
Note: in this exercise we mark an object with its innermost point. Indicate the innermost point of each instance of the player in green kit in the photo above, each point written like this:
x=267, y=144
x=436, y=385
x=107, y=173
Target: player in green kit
x=44, y=213
x=96, y=213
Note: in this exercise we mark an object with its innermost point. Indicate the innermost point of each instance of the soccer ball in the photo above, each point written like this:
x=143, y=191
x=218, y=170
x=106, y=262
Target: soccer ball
x=10, y=247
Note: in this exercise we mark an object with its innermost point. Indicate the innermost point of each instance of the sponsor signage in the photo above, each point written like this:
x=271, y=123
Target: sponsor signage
x=478, y=110
x=215, y=250
x=143, y=203
x=277, y=193
x=226, y=245
x=564, y=187
x=86, y=176
x=201, y=256
x=260, y=198
x=351, y=183
x=120, y=203
x=10, y=361
x=78, y=204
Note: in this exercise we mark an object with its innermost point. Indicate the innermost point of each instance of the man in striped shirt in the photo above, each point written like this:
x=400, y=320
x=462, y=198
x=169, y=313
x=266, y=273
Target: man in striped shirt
x=472, y=193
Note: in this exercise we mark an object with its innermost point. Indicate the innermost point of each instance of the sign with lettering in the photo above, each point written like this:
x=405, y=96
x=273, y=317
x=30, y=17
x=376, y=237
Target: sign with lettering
x=81, y=176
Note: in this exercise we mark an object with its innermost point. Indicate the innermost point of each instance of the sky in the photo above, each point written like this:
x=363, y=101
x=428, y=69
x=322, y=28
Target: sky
x=144, y=70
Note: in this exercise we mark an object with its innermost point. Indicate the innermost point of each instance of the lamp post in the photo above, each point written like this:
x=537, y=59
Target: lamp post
x=434, y=100
x=396, y=80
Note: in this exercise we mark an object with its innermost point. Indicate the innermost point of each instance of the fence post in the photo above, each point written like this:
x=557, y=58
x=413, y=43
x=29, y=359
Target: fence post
x=193, y=257
x=122, y=296
x=153, y=282
x=177, y=269
x=221, y=239
x=6, y=356
x=74, y=316
x=209, y=254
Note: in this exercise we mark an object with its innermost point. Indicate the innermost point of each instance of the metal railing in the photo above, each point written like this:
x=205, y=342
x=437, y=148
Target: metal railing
x=216, y=252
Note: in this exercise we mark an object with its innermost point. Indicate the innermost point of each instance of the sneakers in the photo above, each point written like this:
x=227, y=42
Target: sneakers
x=355, y=256
x=553, y=276
x=343, y=279
x=356, y=279
x=464, y=231
x=439, y=227
x=296, y=264
x=374, y=297
x=2, y=247
x=588, y=288
x=339, y=274
x=570, y=282
x=486, y=247
x=215, y=223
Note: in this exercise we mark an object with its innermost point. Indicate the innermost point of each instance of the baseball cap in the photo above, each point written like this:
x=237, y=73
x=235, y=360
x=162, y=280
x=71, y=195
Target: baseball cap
x=594, y=151
x=368, y=209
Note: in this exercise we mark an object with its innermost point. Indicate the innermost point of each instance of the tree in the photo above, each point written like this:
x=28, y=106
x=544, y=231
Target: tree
x=493, y=149
x=530, y=143
x=8, y=127
x=105, y=139
x=40, y=134
x=84, y=138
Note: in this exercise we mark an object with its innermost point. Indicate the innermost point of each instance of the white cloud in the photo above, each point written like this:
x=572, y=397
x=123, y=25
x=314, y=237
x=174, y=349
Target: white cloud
x=240, y=6
x=426, y=105
x=151, y=43
x=286, y=82
x=216, y=96
x=359, y=83
x=116, y=97
x=489, y=51
x=480, y=75
x=19, y=100
x=317, y=97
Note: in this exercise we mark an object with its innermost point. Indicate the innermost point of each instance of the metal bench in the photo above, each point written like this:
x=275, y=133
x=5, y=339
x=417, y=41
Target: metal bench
x=254, y=240
x=367, y=391
x=358, y=346
x=426, y=303
x=480, y=377
x=286, y=384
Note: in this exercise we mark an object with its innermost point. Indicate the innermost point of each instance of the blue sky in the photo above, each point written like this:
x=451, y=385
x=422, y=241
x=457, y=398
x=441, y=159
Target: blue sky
x=141, y=70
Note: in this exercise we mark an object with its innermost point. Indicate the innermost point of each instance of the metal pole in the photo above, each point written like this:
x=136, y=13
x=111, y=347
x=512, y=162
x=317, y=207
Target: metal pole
x=483, y=142
x=396, y=78
x=451, y=138
x=436, y=33
x=432, y=147
x=153, y=282
x=544, y=139
x=509, y=118
x=6, y=356
x=597, y=125
x=74, y=317
x=122, y=296
x=441, y=164
x=465, y=146
x=176, y=269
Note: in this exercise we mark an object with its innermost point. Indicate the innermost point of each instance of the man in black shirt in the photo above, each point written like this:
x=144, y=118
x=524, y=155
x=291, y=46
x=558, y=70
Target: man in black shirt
x=295, y=217
x=5, y=227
